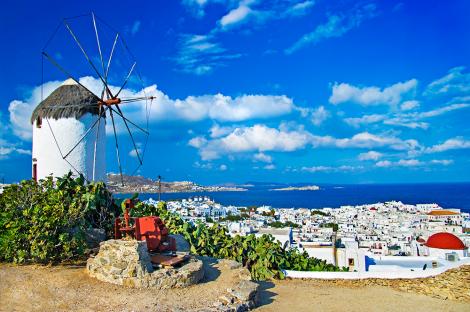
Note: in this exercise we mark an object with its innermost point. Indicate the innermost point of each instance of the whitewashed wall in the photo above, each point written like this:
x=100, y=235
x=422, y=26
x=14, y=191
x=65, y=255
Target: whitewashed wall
x=385, y=275
x=68, y=132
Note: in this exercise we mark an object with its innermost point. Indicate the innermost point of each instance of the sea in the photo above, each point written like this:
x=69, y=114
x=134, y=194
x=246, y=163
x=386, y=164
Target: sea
x=447, y=195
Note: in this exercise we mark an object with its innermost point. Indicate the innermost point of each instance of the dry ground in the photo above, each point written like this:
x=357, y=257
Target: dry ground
x=304, y=295
x=66, y=288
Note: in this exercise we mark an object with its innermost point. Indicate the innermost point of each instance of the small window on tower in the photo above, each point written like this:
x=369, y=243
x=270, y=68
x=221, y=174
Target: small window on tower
x=39, y=122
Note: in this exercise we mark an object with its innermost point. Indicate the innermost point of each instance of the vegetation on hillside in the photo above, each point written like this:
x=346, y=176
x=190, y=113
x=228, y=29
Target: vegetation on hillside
x=318, y=212
x=263, y=256
x=279, y=224
x=46, y=222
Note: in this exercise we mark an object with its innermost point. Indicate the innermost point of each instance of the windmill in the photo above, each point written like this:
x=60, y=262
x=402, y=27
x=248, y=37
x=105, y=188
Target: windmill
x=103, y=80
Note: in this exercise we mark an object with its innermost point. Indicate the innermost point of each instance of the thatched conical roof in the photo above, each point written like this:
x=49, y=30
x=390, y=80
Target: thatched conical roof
x=70, y=100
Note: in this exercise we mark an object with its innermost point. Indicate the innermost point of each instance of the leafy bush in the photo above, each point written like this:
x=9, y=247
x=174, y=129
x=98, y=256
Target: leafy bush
x=232, y=218
x=263, y=256
x=279, y=224
x=45, y=221
x=318, y=212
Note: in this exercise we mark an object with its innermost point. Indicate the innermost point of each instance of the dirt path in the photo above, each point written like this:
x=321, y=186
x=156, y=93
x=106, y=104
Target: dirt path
x=304, y=295
x=37, y=288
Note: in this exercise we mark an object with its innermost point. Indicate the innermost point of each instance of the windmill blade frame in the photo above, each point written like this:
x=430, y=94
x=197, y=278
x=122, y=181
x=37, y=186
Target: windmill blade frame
x=106, y=100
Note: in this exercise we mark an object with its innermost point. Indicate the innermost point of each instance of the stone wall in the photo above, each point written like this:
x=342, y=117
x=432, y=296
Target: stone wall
x=127, y=262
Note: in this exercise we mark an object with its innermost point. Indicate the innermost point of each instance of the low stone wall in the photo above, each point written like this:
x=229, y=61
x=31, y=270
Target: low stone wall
x=127, y=262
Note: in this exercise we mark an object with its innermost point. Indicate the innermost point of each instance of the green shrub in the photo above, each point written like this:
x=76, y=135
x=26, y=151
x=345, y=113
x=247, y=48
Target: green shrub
x=45, y=222
x=263, y=256
x=279, y=224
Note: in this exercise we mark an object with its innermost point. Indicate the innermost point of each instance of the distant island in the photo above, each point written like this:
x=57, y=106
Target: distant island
x=139, y=184
x=298, y=188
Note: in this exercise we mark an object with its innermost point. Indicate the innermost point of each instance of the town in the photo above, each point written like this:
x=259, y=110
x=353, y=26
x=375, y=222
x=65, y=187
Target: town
x=349, y=236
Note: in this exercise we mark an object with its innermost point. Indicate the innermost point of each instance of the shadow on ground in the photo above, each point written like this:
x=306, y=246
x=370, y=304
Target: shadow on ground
x=265, y=296
x=211, y=272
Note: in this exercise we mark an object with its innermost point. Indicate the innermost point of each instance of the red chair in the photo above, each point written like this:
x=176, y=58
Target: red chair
x=153, y=231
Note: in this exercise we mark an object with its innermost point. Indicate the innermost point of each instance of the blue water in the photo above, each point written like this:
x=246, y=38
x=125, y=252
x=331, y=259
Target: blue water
x=447, y=195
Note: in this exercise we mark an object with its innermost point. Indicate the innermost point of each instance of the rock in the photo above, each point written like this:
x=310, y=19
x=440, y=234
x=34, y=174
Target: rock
x=182, y=244
x=94, y=237
x=231, y=264
x=226, y=299
x=127, y=262
x=246, y=292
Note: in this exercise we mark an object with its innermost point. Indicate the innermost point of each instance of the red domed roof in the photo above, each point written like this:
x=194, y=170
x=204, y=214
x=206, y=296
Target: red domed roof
x=445, y=241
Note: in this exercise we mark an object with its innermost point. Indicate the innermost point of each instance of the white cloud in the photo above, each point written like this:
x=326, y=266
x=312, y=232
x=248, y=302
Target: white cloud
x=409, y=105
x=409, y=162
x=263, y=157
x=261, y=138
x=455, y=82
x=319, y=115
x=367, y=96
x=442, y=110
x=413, y=163
x=8, y=149
x=330, y=169
x=444, y=162
x=300, y=8
x=364, y=120
x=135, y=27
x=245, y=107
x=366, y=140
x=197, y=142
x=202, y=165
x=200, y=54
x=269, y=167
x=223, y=167
x=370, y=155
x=384, y=163
x=21, y=110
x=256, y=138
x=216, y=107
x=450, y=144
x=197, y=6
x=336, y=26
x=217, y=131
x=400, y=163
x=133, y=152
x=259, y=12
x=408, y=120
x=235, y=16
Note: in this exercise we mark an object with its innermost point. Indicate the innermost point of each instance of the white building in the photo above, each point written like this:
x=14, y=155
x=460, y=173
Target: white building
x=348, y=255
x=69, y=111
x=442, y=245
x=283, y=235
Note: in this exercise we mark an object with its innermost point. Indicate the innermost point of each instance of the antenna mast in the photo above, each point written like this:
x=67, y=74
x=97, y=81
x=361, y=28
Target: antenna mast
x=159, y=187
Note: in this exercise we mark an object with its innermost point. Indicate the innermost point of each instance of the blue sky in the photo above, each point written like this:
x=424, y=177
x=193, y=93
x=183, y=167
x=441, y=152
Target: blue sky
x=285, y=91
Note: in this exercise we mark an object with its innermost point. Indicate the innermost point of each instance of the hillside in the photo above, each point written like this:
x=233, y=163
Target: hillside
x=139, y=184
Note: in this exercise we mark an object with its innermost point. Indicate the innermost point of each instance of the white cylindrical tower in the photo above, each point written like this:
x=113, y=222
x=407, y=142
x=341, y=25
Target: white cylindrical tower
x=59, y=123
